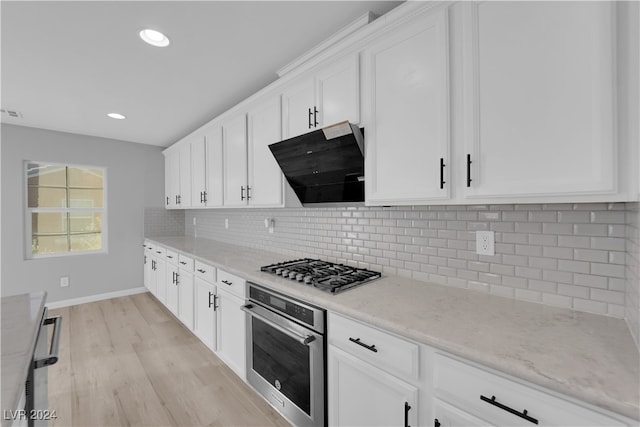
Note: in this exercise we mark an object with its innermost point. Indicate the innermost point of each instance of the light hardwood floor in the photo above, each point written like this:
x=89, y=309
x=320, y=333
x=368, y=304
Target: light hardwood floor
x=129, y=362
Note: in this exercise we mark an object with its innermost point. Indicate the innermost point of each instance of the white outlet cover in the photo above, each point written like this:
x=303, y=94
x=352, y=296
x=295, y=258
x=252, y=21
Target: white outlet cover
x=226, y=223
x=485, y=243
x=64, y=281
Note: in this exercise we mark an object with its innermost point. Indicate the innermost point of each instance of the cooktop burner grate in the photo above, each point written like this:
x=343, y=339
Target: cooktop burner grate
x=323, y=275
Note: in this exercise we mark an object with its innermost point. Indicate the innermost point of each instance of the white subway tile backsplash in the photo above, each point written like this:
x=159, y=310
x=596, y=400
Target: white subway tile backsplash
x=567, y=255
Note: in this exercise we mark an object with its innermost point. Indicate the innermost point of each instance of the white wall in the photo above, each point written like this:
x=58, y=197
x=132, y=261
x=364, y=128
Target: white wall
x=135, y=180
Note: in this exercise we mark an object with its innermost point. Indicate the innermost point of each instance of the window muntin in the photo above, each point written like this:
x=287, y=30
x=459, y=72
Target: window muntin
x=65, y=209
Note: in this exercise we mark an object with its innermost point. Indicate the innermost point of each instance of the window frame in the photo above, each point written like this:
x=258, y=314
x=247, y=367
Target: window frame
x=28, y=238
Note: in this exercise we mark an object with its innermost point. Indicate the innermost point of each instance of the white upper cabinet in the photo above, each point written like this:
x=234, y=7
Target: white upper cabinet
x=406, y=113
x=298, y=108
x=215, y=169
x=171, y=178
x=538, y=84
x=265, y=179
x=234, y=153
x=324, y=97
x=184, y=196
x=198, y=173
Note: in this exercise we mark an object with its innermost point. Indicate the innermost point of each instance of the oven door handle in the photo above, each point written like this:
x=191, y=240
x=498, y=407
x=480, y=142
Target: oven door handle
x=304, y=340
x=52, y=358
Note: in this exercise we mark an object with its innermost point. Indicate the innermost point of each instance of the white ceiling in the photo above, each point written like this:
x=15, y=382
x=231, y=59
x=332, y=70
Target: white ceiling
x=65, y=65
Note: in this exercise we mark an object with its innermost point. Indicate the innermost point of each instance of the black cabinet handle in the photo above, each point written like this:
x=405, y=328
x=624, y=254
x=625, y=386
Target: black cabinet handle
x=248, y=194
x=158, y=252
x=436, y=423
x=315, y=116
x=469, y=170
x=442, y=166
x=145, y=259
x=201, y=201
x=167, y=200
x=310, y=114
x=204, y=196
x=406, y=414
x=522, y=414
x=226, y=282
x=169, y=256
x=210, y=303
x=242, y=192
x=201, y=270
x=183, y=263
x=215, y=302
x=368, y=347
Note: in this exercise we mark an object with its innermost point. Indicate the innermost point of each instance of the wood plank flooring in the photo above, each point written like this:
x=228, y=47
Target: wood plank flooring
x=129, y=362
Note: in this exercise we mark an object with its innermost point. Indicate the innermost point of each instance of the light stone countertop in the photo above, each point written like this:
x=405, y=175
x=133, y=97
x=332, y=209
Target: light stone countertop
x=21, y=317
x=587, y=356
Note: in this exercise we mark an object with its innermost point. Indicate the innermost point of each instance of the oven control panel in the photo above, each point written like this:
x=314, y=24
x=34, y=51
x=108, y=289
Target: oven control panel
x=282, y=305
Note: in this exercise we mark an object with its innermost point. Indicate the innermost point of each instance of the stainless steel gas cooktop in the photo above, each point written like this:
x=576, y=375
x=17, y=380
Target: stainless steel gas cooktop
x=322, y=275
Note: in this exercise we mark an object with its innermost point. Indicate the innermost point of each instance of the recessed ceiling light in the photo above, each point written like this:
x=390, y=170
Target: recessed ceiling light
x=116, y=116
x=154, y=38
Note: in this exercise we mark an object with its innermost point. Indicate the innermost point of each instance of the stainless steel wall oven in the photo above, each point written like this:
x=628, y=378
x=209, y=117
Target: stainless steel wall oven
x=286, y=354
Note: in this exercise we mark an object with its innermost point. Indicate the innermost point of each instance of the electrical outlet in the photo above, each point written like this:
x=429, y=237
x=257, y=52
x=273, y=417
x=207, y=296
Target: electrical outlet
x=64, y=281
x=226, y=223
x=485, y=243
x=272, y=224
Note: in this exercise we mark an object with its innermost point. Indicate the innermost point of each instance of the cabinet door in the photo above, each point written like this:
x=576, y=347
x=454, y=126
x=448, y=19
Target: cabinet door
x=185, y=298
x=171, y=281
x=215, y=171
x=160, y=280
x=148, y=272
x=298, y=109
x=234, y=135
x=184, y=201
x=172, y=178
x=406, y=94
x=265, y=176
x=231, y=332
x=198, y=173
x=362, y=395
x=538, y=98
x=205, y=302
x=338, y=92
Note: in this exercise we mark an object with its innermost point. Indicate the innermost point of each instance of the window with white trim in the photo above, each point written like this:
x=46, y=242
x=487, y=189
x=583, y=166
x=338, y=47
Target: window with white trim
x=65, y=209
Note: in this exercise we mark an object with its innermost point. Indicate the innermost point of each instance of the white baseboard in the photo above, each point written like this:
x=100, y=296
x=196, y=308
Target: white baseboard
x=93, y=298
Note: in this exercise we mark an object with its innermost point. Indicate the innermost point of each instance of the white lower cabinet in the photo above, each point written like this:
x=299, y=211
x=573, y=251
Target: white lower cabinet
x=363, y=395
x=171, y=281
x=471, y=395
x=185, y=298
x=231, y=331
x=205, y=306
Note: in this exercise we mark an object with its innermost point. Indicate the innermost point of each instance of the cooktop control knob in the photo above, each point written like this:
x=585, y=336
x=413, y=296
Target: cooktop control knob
x=299, y=277
x=292, y=275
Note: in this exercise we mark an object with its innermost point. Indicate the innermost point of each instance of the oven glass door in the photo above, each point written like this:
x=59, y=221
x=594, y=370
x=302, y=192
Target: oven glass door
x=283, y=362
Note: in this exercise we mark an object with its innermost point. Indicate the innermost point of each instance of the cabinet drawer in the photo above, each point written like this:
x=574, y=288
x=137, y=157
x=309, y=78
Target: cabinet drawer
x=205, y=271
x=172, y=256
x=462, y=386
x=381, y=349
x=158, y=251
x=186, y=263
x=231, y=283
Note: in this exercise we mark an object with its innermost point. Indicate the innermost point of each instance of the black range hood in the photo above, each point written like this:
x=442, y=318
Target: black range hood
x=324, y=166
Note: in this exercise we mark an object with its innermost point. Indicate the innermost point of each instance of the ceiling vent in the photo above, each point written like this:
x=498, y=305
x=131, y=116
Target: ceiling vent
x=10, y=114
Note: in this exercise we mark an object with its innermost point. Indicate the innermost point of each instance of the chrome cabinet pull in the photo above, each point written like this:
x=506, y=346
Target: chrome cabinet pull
x=360, y=343
x=522, y=414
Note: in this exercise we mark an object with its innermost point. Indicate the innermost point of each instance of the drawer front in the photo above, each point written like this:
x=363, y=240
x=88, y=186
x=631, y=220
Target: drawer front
x=158, y=251
x=462, y=385
x=186, y=263
x=231, y=283
x=205, y=272
x=383, y=350
x=171, y=256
